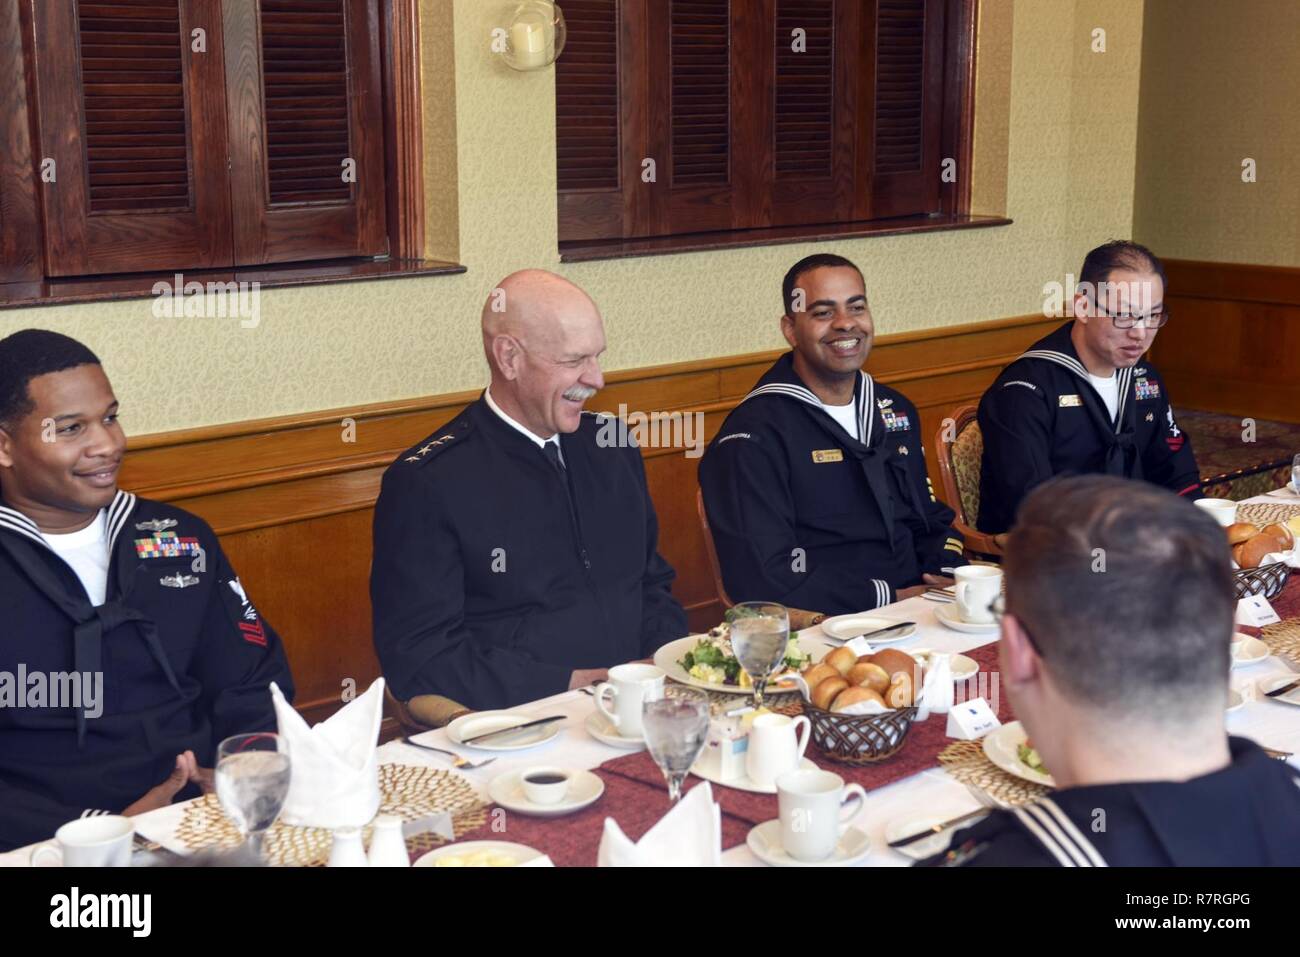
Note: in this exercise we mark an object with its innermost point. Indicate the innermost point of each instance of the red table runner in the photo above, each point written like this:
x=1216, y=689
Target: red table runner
x=1286, y=604
x=637, y=797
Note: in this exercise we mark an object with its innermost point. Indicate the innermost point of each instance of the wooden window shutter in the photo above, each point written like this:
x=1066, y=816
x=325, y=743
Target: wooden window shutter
x=20, y=231
x=907, y=107
x=587, y=123
x=302, y=83
x=145, y=186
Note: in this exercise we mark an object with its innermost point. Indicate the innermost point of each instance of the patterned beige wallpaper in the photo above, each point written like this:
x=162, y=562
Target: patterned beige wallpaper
x=1069, y=184
x=1220, y=84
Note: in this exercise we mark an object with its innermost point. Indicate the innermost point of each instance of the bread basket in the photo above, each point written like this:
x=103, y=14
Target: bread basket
x=856, y=739
x=1267, y=580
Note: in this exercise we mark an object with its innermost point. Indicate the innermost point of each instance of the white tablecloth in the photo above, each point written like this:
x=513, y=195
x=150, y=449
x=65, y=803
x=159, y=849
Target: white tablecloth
x=931, y=793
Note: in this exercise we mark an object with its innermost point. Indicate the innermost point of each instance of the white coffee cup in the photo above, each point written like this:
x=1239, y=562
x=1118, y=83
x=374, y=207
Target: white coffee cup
x=541, y=791
x=977, y=586
x=1224, y=510
x=775, y=747
x=815, y=810
x=102, y=841
x=630, y=685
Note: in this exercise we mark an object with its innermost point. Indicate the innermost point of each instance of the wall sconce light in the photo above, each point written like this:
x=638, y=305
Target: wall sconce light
x=536, y=35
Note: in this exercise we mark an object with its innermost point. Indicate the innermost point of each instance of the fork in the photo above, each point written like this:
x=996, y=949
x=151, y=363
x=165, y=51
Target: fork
x=458, y=762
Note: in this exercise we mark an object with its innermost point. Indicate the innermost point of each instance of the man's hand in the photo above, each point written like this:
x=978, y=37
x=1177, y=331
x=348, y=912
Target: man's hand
x=938, y=581
x=587, y=676
x=160, y=796
x=930, y=581
x=905, y=593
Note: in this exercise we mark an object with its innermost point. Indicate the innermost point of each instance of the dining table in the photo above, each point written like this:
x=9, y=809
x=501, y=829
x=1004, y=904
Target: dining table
x=910, y=785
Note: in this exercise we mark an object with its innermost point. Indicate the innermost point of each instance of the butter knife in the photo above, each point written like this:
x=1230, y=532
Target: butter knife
x=513, y=728
x=879, y=632
x=1289, y=686
x=938, y=828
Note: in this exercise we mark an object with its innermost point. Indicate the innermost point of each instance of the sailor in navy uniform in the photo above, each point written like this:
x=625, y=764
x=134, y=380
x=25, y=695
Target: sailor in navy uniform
x=1119, y=677
x=822, y=507
x=506, y=563
x=1044, y=414
x=142, y=622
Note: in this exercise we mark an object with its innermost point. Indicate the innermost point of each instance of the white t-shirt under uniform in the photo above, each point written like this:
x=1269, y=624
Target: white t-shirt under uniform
x=86, y=552
x=846, y=416
x=1108, y=389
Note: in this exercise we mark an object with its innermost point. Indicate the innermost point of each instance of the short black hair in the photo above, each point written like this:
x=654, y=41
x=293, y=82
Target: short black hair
x=1127, y=590
x=28, y=354
x=1119, y=254
x=807, y=264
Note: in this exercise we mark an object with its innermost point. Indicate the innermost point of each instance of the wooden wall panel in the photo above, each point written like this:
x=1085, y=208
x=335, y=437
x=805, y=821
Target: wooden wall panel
x=1233, y=340
x=292, y=500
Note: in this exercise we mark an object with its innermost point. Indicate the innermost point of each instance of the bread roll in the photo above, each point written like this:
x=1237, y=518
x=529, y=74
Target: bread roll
x=1241, y=532
x=841, y=659
x=817, y=674
x=826, y=691
x=850, y=696
x=894, y=661
x=1282, y=534
x=899, y=694
x=1253, y=552
x=868, y=674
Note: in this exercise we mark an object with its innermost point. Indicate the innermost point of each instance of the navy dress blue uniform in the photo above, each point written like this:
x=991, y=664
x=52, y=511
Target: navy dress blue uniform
x=497, y=573
x=1042, y=417
x=1245, y=815
x=186, y=661
x=805, y=514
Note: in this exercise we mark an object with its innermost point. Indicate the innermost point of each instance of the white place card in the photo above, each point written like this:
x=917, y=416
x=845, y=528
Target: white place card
x=1255, y=610
x=859, y=646
x=971, y=720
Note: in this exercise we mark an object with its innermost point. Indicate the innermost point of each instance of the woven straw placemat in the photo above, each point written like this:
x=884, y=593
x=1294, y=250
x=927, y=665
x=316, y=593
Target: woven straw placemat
x=1266, y=513
x=407, y=791
x=1283, y=638
x=967, y=762
x=772, y=700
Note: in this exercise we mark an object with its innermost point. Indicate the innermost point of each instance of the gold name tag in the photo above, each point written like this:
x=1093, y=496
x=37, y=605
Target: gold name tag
x=828, y=455
x=1070, y=400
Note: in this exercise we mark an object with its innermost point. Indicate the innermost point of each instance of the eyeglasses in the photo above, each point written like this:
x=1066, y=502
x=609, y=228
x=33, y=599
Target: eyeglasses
x=998, y=608
x=1124, y=321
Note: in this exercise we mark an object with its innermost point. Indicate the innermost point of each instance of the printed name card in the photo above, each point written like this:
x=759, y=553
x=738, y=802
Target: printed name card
x=1255, y=610
x=971, y=720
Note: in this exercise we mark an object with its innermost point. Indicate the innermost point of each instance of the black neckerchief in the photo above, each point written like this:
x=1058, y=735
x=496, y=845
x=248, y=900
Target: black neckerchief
x=1120, y=433
x=20, y=537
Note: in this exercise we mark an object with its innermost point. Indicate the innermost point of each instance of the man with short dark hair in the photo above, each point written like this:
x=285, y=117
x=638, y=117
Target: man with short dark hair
x=1082, y=400
x=816, y=487
x=127, y=605
x=1115, y=653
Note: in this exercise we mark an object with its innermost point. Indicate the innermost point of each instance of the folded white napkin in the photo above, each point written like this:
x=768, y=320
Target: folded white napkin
x=334, y=780
x=689, y=835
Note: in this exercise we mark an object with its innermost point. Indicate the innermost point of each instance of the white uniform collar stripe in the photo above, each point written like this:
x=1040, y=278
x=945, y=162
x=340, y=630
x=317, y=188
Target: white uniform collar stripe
x=1080, y=839
x=119, y=510
x=784, y=388
x=868, y=407
x=1044, y=839
x=1060, y=358
x=23, y=526
x=118, y=513
x=1066, y=843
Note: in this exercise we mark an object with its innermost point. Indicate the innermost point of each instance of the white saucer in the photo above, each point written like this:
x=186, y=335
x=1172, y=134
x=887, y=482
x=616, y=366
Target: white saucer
x=1247, y=650
x=599, y=727
x=518, y=853
x=1268, y=684
x=963, y=668
x=947, y=615
x=745, y=784
x=481, y=722
x=902, y=827
x=765, y=841
x=1236, y=700
x=584, y=789
x=847, y=627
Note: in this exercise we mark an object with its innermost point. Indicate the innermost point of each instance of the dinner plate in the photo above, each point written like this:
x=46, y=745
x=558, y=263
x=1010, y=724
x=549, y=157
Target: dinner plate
x=1247, y=650
x=744, y=783
x=1000, y=746
x=963, y=667
x=1268, y=684
x=481, y=722
x=919, y=850
x=765, y=841
x=600, y=728
x=504, y=851
x=668, y=659
x=507, y=790
x=947, y=615
x=847, y=627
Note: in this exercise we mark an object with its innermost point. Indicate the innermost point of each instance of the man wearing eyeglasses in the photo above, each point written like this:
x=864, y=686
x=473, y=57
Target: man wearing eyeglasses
x=1082, y=400
x=516, y=548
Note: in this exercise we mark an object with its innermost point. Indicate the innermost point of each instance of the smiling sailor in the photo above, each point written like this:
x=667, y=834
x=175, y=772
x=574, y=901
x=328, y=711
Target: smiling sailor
x=815, y=486
x=135, y=597
x=1082, y=400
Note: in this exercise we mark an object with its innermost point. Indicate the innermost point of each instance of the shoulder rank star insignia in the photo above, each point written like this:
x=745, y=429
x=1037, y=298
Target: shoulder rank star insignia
x=412, y=458
x=1151, y=416
x=178, y=581
x=902, y=450
x=156, y=525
